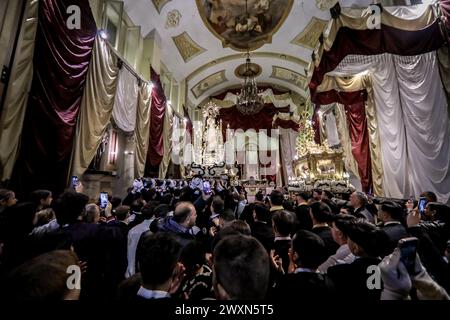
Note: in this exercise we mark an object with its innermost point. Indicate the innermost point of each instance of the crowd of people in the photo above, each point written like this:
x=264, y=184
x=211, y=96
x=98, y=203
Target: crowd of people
x=177, y=240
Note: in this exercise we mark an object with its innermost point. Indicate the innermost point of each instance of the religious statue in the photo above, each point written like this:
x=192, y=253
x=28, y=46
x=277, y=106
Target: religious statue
x=96, y=162
x=213, y=149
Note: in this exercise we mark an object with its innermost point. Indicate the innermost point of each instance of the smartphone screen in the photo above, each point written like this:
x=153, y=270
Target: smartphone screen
x=422, y=205
x=75, y=182
x=206, y=187
x=408, y=251
x=103, y=199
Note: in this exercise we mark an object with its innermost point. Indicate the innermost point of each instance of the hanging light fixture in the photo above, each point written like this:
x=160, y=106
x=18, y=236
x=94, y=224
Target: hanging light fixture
x=249, y=101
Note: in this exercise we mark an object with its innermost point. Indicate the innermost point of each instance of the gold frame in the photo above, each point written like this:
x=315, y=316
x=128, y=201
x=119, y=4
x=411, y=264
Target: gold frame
x=258, y=44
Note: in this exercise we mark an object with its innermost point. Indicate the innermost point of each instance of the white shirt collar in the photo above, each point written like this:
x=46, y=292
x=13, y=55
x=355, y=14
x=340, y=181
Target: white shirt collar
x=298, y=270
x=282, y=238
x=152, y=294
x=391, y=222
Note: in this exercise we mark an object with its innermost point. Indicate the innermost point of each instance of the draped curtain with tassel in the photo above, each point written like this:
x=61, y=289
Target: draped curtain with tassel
x=16, y=97
x=155, y=151
x=96, y=106
x=359, y=137
x=61, y=63
x=142, y=129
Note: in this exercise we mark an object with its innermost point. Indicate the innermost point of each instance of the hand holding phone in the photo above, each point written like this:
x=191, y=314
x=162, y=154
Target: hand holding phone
x=408, y=252
x=422, y=205
x=75, y=182
x=103, y=200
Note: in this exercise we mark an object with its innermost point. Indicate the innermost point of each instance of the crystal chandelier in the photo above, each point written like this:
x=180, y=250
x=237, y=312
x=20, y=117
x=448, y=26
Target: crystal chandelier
x=248, y=101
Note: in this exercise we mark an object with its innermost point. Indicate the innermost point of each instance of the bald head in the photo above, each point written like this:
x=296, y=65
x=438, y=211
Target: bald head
x=185, y=214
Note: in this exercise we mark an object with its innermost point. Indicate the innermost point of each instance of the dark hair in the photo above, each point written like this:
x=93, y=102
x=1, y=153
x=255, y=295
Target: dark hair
x=38, y=195
x=241, y=266
x=284, y=221
x=262, y=213
x=321, y=212
x=115, y=202
x=431, y=196
x=241, y=226
x=218, y=205
x=5, y=194
x=276, y=198
x=182, y=212
x=303, y=195
x=341, y=221
x=136, y=206
x=158, y=257
x=374, y=241
x=317, y=191
x=69, y=206
x=259, y=196
x=393, y=210
x=161, y=210
x=328, y=194
x=227, y=215
x=166, y=198
x=193, y=255
x=18, y=220
x=43, y=278
x=122, y=212
x=442, y=212
x=310, y=249
x=148, y=211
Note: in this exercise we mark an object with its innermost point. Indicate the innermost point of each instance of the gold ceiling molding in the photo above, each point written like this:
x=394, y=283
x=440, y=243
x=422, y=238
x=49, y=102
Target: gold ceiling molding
x=309, y=37
x=187, y=47
x=252, y=70
x=236, y=56
x=209, y=82
x=173, y=19
x=289, y=76
x=226, y=19
x=159, y=4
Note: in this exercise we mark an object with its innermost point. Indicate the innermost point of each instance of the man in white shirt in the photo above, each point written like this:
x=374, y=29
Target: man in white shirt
x=343, y=254
x=134, y=235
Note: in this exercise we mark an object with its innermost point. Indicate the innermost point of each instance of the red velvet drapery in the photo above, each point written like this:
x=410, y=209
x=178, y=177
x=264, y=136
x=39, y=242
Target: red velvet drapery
x=316, y=124
x=332, y=96
x=158, y=110
x=286, y=124
x=263, y=120
x=359, y=136
x=61, y=63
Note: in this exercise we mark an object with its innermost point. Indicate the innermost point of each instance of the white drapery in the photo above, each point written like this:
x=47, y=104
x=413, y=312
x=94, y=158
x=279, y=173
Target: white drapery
x=126, y=100
x=413, y=121
x=288, y=151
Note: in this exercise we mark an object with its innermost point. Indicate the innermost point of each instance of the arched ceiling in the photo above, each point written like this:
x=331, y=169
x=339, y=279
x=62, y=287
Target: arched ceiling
x=193, y=52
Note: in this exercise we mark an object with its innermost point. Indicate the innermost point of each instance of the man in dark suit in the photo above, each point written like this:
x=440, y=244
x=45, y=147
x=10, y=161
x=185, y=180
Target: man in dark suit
x=116, y=256
x=304, y=283
x=358, y=201
x=367, y=243
x=158, y=261
x=391, y=216
x=283, y=224
x=262, y=227
x=241, y=269
x=302, y=212
x=320, y=216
